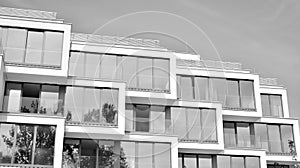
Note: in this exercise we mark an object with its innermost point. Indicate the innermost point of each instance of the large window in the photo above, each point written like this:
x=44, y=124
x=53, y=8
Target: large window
x=146, y=118
x=219, y=161
x=91, y=105
x=232, y=93
x=27, y=144
x=271, y=137
x=30, y=46
x=32, y=98
x=193, y=124
x=108, y=153
x=272, y=105
x=138, y=72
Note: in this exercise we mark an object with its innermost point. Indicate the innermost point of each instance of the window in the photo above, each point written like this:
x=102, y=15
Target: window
x=286, y=136
x=229, y=134
x=162, y=155
x=274, y=138
x=261, y=136
x=186, y=84
x=161, y=74
x=30, y=46
x=190, y=161
x=202, y=88
x=192, y=124
x=158, y=119
x=128, y=153
x=232, y=97
x=205, y=161
x=223, y=161
x=272, y=105
x=218, y=89
x=108, y=67
x=142, y=113
x=77, y=64
x=129, y=71
x=237, y=162
x=247, y=94
x=252, y=162
x=243, y=134
x=91, y=66
x=16, y=144
x=145, y=73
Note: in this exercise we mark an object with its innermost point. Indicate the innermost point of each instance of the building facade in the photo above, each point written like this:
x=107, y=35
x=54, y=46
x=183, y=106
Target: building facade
x=78, y=100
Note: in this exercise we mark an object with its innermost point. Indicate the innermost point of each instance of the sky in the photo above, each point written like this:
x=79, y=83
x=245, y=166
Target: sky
x=262, y=35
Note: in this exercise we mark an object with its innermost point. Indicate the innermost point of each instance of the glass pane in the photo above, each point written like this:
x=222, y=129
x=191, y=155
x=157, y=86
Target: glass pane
x=205, y=161
x=157, y=119
x=49, y=100
x=91, y=105
x=286, y=135
x=145, y=73
x=44, y=146
x=53, y=48
x=76, y=64
x=243, y=134
x=144, y=155
x=34, y=48
x=201, y=88
x=15, y=49
x=129, y=71
x=88, y=153
x=162, y=155
x=232, y=97
x=92, y=66
x=237, y=162
x=109, y=105
x=261, y=136
x=180, y=161
x=127, y=156
x=23, y=148
x=178, y=116
x=190, y=161
x=3, y=37
x=187, y=91
x=276, y=105
x=129, y=117
x=142, y=114
x=108, y=66
x=247, y=94
x=219, y=89
x=265, y=103
x=71, y=156
x=30, y=99
x=119, y=68
x=209, y=129
x=274, y=138
x=12, y=101
x=7, y=139
x=161, y=74
x=178, y=85
x=229, y=135
x=194, y=124
x=223, y=162
x=74, y=104
x=106, y=154
x=252, y=162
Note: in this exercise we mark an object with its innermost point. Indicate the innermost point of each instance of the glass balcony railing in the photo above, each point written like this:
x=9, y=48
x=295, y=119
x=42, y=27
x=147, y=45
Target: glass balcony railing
x=244, y=141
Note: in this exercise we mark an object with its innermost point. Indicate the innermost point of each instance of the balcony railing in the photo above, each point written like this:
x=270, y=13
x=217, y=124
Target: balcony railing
x=23, y=166
x=244, y=141
x=75, y=115
x=209, y=64
x=27, y=13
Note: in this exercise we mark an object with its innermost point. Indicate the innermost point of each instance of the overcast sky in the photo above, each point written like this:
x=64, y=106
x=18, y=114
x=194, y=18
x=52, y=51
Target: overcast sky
x=262, y=35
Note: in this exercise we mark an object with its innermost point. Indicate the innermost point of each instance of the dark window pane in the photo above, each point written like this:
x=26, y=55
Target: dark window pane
x=23, y=148
x=88, y=153
x=190, y=161
x=145, y=73
x=276, y=105
x=30, y=99
x=127, y=156
x=180, y=161
x=7, y=139
x=71, y=156
x=161, y=74
x=243, y=134
x=232, y=97
x=229, y=135
x=15, y=48
x=223, y=162
x=286, y=135
x=252, y=162
x=208, y=120
x=53, y=48
x=44, y=146
x=77, y=64
x=34, y=48
x=261, y=136
x=162, y=155
x=247, y=94
x=187, y=91
x=106, y=156
x=145, y=155
x=265, y=103
x=201, y=88
x=129, y=71
x=142, y=113
x=274, y=138
x=237, y=162
x=92, y=66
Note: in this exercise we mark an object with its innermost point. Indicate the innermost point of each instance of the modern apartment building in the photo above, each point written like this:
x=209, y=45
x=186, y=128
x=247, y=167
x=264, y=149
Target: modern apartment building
x=77, y=100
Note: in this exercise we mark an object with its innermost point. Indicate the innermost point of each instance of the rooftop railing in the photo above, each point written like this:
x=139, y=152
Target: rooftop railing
x=28, y=13
x=114, y=40
x=209, y=64
x=268, y=81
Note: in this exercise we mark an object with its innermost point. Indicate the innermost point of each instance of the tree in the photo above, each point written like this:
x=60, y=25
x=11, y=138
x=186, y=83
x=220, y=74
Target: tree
x=109, y=112
x=92, y=116
x=293, y=153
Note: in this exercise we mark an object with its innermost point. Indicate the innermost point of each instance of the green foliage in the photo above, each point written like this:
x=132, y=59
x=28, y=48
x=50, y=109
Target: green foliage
x=109, y=112
x=293, y=153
